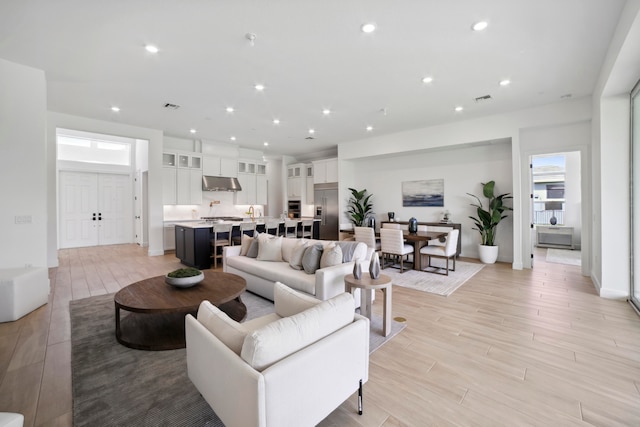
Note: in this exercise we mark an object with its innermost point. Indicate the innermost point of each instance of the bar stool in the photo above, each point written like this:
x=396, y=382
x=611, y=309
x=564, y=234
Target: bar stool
x=290, y=228
x=246, y=227
x=273, y=227
x=221, y=236
x=306, y=229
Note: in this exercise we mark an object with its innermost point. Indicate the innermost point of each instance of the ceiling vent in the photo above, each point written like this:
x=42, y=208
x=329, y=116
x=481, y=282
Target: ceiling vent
x=483, y=98
x=171, y=106
x=309, y=137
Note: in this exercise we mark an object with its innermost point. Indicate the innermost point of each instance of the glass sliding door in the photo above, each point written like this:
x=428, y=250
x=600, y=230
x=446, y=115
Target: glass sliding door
x=635, y=196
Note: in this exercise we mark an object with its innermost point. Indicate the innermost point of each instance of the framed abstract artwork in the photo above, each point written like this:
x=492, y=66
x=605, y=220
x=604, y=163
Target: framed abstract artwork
x=423, y=193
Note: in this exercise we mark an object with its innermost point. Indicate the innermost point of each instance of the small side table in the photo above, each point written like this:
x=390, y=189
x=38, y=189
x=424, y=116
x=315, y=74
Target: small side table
x=366, y=283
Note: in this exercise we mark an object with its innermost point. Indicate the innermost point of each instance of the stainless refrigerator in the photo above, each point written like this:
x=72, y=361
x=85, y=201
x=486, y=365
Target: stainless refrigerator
x=326, y=200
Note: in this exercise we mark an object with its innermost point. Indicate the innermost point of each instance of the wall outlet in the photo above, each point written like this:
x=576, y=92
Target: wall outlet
x=23, y=219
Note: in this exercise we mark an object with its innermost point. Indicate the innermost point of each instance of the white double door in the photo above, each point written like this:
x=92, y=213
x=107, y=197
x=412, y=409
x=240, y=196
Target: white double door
x=95, y=209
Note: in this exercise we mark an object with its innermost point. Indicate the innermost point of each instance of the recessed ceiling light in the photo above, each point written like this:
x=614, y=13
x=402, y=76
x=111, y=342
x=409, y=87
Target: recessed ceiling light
x=505, y=82
x=266, y=143
x=427, y=80
x=312, y=131
x=259, y=87
x=233, y=138
x=369, y=128
x=151, y=48
x=276, y=121
x=326, y=111
x=193, y=131
x=479, y=26
x=368, y=28
x=230, y=110
x=115, y=109
x=458, y=109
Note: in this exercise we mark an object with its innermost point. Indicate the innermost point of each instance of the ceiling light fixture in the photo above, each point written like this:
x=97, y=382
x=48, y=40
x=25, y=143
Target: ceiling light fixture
x=458, y=109
x=427, y=79
x=251, y=37
x=479, y=26
x=230, y=110
x=259, y=87
x=151, y=48
x=326, y=111
x=505, y=82
x=312, y=131
x=193, y=131
x=368, y=28
x=369, y=128
x=266, y=143
x=233, y=138
x=115, y=109
x=276, y=121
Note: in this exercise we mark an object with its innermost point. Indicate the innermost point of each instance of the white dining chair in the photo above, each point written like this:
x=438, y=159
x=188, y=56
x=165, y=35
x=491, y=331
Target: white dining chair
x=393, y=245
x=367, y=235
x=447, y=252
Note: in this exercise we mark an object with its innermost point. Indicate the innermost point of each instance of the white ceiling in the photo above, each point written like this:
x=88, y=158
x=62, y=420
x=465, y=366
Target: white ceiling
x=310, y=55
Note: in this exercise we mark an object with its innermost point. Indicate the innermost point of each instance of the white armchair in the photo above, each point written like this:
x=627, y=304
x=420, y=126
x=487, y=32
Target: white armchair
x=289, y=368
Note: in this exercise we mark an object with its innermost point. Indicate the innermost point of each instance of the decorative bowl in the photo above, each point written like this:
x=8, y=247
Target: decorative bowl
x=184, y=282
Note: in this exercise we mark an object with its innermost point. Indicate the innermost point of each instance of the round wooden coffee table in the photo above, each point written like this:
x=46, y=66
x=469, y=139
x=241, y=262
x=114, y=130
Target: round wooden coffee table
x=156, y=310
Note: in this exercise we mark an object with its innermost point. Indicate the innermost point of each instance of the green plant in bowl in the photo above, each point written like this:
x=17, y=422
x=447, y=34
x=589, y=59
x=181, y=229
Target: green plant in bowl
x=185, y=272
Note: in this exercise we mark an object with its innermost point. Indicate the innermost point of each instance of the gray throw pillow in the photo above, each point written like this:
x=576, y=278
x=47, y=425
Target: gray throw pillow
x=311, y=258
x=348, y=248
x=253, y=249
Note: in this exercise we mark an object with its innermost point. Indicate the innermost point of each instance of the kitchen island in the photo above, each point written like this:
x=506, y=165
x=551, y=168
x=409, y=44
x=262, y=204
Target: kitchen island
x=193, y=239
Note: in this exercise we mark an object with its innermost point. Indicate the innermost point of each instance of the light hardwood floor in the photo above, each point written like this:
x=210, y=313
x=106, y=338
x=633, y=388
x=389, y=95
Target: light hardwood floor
x=533, y=347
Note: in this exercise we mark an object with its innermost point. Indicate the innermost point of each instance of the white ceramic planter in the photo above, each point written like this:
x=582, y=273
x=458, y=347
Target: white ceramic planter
x=488, y=254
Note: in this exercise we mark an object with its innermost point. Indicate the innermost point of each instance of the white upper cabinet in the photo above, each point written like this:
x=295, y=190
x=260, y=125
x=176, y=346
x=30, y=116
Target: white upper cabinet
x=219, y=166
x=253, y=180
x=325, y=171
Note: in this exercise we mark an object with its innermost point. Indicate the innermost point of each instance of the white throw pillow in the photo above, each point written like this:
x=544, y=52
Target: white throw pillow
x=277, y=340
x=269, y=248
x=289, y=302
x=332, y=255
x=295, y=260
x=227, y=330
x=245, y=244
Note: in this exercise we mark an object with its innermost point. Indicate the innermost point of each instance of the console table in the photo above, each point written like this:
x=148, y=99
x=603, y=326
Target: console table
x=432, y=227
x=554, y=237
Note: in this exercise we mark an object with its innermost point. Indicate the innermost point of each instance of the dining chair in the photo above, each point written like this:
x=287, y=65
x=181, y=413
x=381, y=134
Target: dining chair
x=448, y=251
x=393, y=245
x=368, y=236
x=391, y=225
x=246, y=227
x=221, y=236
x=291, y=228
x=273, y=227
x=306, y=229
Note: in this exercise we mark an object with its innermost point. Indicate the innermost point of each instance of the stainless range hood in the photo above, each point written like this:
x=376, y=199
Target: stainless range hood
x=220, y=183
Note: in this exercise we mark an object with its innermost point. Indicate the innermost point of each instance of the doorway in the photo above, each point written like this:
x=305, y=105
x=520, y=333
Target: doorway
x=95, y=209
x=556, y=207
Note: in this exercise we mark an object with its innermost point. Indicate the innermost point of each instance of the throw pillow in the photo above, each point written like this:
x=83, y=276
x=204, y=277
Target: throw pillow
x=348, y=249
x=245, y=244
x=269, y=248
x=332, y=255
x=297, y=253
x=253, y=249
x=227, y=330
x=311, y=258
x=288, y=302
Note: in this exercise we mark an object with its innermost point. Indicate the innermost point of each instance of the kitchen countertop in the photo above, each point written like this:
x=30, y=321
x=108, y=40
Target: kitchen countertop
x=204, y=224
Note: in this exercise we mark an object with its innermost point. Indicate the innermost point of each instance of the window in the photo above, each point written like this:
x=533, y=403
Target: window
x=87, y=150
x=555, y=191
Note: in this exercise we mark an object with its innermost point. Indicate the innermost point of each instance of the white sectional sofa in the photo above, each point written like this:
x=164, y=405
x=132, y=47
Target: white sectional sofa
x=323, y=284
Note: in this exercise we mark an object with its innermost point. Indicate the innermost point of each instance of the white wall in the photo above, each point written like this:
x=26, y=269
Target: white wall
x=23, y=108
x=59, y=120
x=573, y=195
x=462, y=168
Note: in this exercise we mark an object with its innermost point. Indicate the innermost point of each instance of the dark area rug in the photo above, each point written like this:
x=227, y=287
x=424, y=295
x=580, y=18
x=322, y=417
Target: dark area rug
x=114, y=385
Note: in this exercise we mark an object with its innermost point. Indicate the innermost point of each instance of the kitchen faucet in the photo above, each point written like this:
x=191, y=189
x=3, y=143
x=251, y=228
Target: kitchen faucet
x=251, y=212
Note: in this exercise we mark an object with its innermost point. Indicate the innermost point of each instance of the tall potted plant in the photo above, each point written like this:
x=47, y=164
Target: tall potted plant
x=487, y=220
x=359, y=206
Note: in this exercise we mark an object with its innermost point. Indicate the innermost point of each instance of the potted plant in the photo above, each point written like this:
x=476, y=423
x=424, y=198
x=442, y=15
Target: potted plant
x=359, y=206
x=488, y=219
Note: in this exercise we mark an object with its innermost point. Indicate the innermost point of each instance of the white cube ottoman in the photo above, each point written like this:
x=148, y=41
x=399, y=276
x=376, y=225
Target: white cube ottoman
x=22, y=290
